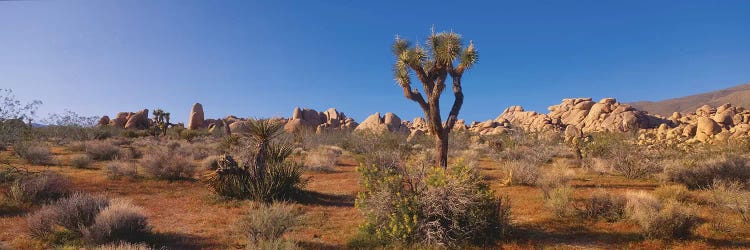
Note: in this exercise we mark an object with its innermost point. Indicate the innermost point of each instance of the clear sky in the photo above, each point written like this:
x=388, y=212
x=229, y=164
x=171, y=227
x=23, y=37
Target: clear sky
x=262, y=59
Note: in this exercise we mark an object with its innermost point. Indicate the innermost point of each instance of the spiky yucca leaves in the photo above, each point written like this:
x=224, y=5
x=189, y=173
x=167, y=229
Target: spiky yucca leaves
x=267, y=176
x=262, y=132
x=443, y=56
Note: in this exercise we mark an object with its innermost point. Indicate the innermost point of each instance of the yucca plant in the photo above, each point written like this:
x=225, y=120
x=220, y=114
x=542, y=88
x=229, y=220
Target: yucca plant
x=267, y=176
x=443, y=55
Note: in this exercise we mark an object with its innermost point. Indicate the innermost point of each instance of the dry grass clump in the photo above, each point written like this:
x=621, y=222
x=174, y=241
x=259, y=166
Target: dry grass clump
x=33, y=153
x=39, y=188
x=523, y=172
x=702, y=173
x=604, y=205
x=265, y=226
x=80, y=161
x=657, y=221
x=558, y=200
x=558, y=176
x=118, y=169
x=102, y=150
x=322, y=159
x=676, y=192
x=121, y=220
x=168, y=164
x=77, y=146
x=88, y=218
x=73, y=214
x=730, y=196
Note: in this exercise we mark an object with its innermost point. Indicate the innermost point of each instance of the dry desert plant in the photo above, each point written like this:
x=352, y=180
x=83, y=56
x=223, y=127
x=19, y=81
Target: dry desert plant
x=118, y=169
x=39, y=188
x=603, y=205
x=702, y=173
x=673, y=220
x=120, y=221
x=33, y=153
x=322, y=158
x=80, y=161
x=265, y=225
x=168, y=164
x=102, y=150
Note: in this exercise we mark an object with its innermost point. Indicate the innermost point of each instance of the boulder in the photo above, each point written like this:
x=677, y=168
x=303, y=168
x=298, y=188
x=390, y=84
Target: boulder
x=138, y=120
x=196, y=117
x=104, y=121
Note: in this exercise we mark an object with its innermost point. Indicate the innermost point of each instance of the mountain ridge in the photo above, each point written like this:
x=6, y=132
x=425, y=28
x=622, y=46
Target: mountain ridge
x=738, y=96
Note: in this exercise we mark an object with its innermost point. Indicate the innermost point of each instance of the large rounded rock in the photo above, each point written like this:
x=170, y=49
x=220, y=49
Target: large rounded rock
x=196, y=117
x=138, y=120
x=104, y=121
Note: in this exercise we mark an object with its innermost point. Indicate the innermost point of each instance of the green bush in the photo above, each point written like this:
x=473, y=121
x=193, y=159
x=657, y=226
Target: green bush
x=429, y=206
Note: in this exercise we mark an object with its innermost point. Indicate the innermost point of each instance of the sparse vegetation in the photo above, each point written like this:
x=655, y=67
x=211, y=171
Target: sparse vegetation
x=604, y=205
x=102, y=150
x=702, y=173
x=322, y=159
x=168, y=164
x=80, y=161
x=39, y=188
x=33, y=153
x=118, y=169
x=672, y=220
x=264, y=226
x=84, y=218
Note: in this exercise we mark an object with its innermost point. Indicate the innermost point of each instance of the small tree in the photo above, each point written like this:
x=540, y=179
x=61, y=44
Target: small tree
x=443, y=56
x=161, y=119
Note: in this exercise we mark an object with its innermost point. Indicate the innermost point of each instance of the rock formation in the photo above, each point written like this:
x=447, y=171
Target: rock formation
x=389, y=122
x=104, y=121
x=138, y=120
x=310, y=119
x=196, y=117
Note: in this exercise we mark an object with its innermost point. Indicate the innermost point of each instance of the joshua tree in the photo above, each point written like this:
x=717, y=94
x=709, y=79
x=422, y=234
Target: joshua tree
x=161, y=119
x=442, y=56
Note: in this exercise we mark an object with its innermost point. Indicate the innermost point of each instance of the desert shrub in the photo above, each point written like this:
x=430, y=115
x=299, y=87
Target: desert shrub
x=603, y=205
x=73, y=214
x=263, y=173
x=671, y=221
x=730, y=196
x=558, y=176
x=265, y=225
x=104, y=132
x=130, y=133
x=124, y=246
x=39, y=188
x=228, y=143
x=603, y=144
x=430, y=206
x=322, y=159
x=676, y=192
x=702, y=173
x=523, y=172
x=629, y=161
x=558, y=200
x=77, y=146
x=102, y=150
x=118, y=169
x=34, y=153
x=120, y=221
x=190, y=134
x=80, y=161
x=363, y=142
x=168, y=164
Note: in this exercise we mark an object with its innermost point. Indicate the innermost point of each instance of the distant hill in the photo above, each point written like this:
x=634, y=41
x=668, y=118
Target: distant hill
x=737, y=96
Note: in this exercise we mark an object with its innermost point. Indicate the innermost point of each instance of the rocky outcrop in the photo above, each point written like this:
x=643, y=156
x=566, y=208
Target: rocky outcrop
x=138, y=120
x=310, y=119
x=196, y=117
x=128, y=120
x=706, y=125
x=606, y=115
x=104, y=121
x=389, y=122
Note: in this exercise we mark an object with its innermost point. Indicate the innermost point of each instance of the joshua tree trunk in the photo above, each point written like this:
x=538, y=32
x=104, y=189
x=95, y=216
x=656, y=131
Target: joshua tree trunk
x=432, y=66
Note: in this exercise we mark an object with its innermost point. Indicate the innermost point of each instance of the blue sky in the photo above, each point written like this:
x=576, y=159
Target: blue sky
x=262, y=59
